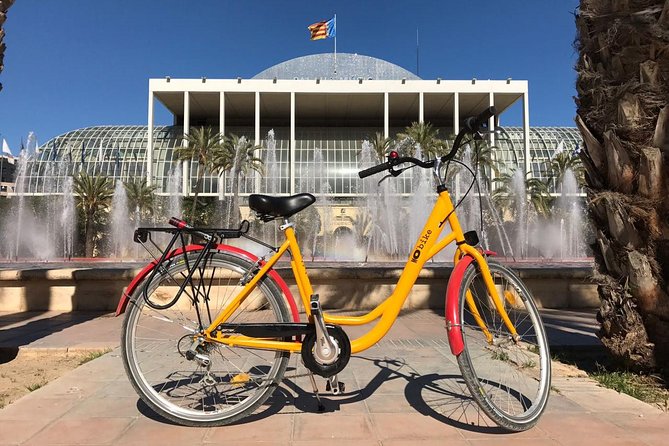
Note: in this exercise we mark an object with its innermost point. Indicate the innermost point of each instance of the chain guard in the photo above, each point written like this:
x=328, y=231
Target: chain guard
x=327, y=370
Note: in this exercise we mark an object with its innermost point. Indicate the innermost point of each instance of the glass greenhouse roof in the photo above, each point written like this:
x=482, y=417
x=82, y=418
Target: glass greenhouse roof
x=326, y=160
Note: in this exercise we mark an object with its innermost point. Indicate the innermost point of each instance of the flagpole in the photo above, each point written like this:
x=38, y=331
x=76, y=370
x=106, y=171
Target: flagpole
x=417, y=65
x=335, y=43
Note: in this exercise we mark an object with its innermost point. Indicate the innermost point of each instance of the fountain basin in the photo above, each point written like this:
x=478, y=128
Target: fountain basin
x=98, y=286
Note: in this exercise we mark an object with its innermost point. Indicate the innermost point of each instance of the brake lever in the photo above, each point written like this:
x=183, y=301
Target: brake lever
x=383, y=179
x=396, y=173
x=393, y=173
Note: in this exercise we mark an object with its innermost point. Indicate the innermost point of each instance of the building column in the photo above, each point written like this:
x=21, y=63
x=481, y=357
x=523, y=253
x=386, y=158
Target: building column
x=386, y=116
x=292, y=143
x=421, y=107
x=492, y=136
x=149, y=144
x=185, y=177
x=526, y=132
x=257, y=118
x=221, y=131
x=258, y=178
x=456, y=130
x=221, y=116
x=456, y=113
x=491, y=121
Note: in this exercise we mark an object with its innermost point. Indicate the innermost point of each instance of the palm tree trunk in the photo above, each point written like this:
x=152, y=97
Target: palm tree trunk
x=197, y=191
x=623, y=93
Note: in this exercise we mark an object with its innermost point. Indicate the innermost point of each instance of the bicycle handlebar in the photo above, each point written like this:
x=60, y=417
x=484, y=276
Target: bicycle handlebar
x=470, y=125
x=388, y=165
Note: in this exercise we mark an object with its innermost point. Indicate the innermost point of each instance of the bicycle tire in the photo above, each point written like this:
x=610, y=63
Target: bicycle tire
x=153, y=343
x=510, y=380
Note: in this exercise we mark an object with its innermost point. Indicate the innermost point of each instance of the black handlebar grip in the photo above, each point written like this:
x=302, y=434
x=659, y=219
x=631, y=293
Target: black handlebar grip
x=374, y=169
x=469, y=124
x=473, y=124
x=484, y=116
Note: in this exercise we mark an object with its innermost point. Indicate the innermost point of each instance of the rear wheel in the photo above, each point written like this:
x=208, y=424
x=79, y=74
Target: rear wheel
x=220, y=384
x=509, y=379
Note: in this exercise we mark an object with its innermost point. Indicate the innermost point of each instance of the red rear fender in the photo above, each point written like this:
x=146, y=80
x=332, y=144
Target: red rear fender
x=125, y=297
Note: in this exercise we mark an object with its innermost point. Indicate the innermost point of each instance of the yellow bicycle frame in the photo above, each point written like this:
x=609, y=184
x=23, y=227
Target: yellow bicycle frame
x=426, y=247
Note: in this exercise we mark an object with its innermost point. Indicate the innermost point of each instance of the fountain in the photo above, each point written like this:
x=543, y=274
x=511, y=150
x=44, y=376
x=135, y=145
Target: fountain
x=68, y=218
x=39, y=227
x=571, y=218
x=522, y=217
x=270, y=183
x=386, y=220
x=174, y=185
x=121, y=228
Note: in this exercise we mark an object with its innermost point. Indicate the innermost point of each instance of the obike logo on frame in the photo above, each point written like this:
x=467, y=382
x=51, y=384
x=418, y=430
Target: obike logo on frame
x=421, y=245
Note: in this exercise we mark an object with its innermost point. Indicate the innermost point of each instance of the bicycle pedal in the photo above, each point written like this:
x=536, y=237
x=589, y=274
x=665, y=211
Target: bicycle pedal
x=340, y=387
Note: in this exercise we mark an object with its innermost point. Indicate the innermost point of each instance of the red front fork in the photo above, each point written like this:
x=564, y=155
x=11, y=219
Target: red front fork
x=453, y=323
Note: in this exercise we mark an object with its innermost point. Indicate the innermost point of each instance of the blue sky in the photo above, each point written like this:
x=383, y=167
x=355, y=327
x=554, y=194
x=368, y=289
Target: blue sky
x=76, y=63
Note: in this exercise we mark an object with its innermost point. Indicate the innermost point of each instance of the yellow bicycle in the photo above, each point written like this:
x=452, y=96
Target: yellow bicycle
x=210, y=327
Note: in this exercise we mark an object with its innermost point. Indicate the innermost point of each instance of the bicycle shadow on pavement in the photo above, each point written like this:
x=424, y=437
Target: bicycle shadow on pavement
x=443, y=397
x=446, y=399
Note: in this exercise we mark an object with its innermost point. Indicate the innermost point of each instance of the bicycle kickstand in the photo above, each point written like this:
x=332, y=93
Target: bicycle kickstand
x=321, y=407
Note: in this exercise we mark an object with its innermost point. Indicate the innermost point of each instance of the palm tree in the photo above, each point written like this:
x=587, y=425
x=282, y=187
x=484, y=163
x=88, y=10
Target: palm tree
x=563, y=161
x=623, y=116
x=381, y=146
x=238, y=157
x=93, y=196
x=425, y=135
x=537, y=194
x=141, y=196
x=202, y=145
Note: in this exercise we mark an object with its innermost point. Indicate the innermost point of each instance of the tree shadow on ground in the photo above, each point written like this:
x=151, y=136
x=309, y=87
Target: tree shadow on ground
x=22, y=334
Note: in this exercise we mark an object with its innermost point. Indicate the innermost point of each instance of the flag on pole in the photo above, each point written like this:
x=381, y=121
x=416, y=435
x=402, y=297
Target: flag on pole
x=5, y=148
x=323, y=30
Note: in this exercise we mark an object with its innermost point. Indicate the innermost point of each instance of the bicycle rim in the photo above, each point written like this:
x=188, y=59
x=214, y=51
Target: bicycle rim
x=155, y=342
x=509, y=379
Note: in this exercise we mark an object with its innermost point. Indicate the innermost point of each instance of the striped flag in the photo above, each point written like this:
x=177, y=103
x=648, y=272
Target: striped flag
x=323, y=30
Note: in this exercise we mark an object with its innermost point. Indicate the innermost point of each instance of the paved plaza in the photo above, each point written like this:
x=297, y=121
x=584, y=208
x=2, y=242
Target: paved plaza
x=405, y=390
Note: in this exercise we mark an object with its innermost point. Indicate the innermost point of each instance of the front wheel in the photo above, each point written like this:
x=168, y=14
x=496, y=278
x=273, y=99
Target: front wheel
x=220, y=384
x=508, y=377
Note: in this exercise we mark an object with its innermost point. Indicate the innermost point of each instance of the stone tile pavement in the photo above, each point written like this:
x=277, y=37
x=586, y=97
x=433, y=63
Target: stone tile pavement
x=405, y=390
